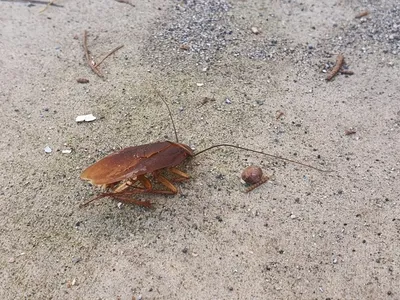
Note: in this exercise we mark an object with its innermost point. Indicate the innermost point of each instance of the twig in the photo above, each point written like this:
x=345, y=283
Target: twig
x=90, y=63
x=35, y=2
x=126, y=2
x=346, y=72
x=362, y=14
x=350, y=131
x=47, y=6
x=82, y=80
x=336, y=68
x=112, y=52
x=279, y=114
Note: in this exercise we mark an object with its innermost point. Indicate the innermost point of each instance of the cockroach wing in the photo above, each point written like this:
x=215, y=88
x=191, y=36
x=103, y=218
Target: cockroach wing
x=134, y=161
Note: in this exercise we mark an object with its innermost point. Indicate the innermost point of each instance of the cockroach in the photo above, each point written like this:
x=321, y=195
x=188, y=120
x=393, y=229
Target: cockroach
x=126, y=173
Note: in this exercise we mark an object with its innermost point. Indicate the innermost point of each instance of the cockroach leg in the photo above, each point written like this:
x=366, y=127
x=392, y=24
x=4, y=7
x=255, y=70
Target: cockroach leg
x=130, y=200
x=182, y=175
x=123, y=186
x=145, y=182
x=256, y=185
x=122, y=197
x=164, y=181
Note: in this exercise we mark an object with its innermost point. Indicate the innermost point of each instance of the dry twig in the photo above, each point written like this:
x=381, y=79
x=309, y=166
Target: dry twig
x=346, y=72
x=88, y=60
x=126, y=2
x=82, y=80
x=47, y=6
x=35, y=2
x=350, y=131
x=93, y=65
x=336, y=68
x=279, y=114
x=112, y=52
x=362, y=14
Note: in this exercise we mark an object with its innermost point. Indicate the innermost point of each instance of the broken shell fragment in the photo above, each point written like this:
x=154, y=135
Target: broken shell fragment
x=85, y=118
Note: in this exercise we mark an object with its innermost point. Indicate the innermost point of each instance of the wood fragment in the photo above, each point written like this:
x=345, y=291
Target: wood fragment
x=184, y=47
x=279, y=115
x=350, y=131
x=91, y=63
x=336, y=68
x=112, y=52
x=346, y=72
x=47, y=6
x=35, y=2
x=125, y=2
x=362, y=14
x=82, y=80
x=205, y=101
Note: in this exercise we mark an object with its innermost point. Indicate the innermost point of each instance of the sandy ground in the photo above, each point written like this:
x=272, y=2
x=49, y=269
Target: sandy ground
x=303, y=235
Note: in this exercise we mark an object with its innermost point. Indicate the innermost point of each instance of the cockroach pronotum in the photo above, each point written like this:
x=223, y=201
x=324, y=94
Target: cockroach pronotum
x=126, y=173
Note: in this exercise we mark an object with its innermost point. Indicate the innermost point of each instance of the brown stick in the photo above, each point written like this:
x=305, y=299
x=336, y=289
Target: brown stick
x=112, y=52
x=126, y=2
x=336, y=68
x=89, y=62
x=279, y=115
x=346, y=72
x=47, y=6
x=350, y=131
x=35, y=2
x=362, y=14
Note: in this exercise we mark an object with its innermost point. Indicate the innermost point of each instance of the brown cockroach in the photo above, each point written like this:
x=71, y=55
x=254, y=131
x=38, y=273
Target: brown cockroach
x=125, y=173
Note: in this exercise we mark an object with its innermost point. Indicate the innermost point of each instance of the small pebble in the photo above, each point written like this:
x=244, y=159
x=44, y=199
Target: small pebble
x=85, y=118
x=255, y=30
x=66, y=151
x=76, y=260
x=228, y=101
x=47, y=149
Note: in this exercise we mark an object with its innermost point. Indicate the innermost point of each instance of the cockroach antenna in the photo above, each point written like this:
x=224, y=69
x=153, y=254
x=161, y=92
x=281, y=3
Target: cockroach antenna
x=235, y=146
x=263, y=153
x=169, y=111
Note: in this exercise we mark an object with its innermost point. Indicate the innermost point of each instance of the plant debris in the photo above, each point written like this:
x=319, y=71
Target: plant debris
x=362, y=14
x=85, y=118
x=336, y=68
x=82, y=80
x=90, y=61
